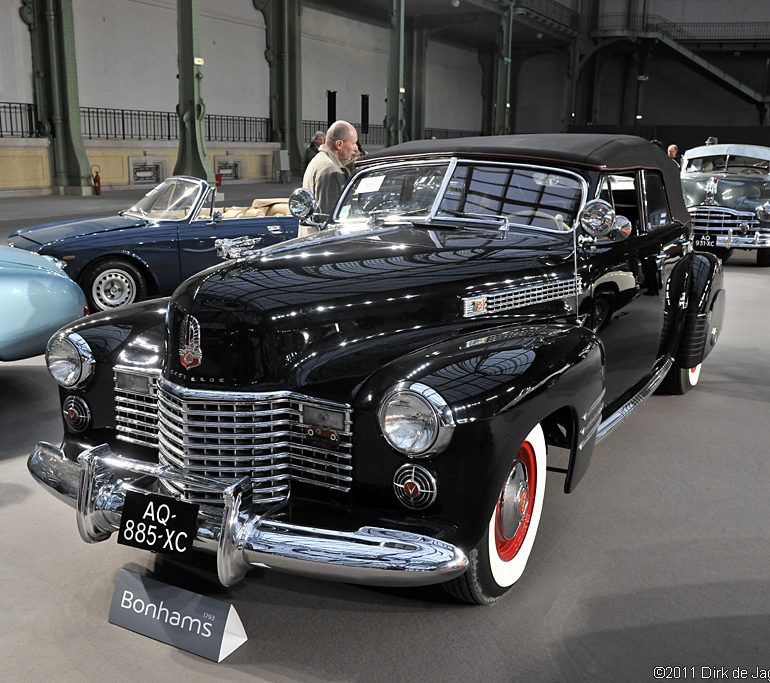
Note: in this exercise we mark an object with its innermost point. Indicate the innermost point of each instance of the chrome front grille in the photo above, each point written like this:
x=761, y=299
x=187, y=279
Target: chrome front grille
x=263, y=436
x=718, y=219
x=136, y=406
x=269, y=437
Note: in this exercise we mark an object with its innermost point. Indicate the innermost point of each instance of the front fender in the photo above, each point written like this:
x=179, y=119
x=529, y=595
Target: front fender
x=133, y=336
x=705, y=311
x=498, y=385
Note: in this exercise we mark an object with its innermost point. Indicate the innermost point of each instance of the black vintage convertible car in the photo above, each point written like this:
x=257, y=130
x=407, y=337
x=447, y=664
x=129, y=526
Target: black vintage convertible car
x=377, y=402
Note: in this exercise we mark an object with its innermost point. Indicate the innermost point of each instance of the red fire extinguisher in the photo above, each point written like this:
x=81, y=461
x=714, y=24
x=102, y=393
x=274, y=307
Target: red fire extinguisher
x=97, y=179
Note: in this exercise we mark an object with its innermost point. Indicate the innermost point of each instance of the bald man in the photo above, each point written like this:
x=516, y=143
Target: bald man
x=327, y=174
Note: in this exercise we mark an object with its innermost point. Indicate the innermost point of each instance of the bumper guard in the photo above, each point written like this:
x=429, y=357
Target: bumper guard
x=96, y=486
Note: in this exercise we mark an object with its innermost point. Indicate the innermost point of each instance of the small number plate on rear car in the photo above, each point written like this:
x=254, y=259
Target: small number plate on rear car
x=705, y=241
x=159, y=523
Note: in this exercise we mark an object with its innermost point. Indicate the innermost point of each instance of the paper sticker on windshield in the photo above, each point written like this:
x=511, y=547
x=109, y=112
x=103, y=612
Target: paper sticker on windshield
x=370, y=184
x=344, y=211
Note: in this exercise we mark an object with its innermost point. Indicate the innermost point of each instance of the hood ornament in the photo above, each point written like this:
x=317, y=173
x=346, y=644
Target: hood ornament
x=711, y=190
x=190, y=352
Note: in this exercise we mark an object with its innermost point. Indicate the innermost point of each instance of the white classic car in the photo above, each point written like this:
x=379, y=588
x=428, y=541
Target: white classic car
x=727, y=192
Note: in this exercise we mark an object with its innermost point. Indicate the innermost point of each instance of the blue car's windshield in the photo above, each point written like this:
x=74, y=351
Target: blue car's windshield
x=173, y=199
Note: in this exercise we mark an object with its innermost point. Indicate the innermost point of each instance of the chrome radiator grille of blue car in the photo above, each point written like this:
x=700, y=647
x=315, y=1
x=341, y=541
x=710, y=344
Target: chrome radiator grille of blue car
x=230, y=435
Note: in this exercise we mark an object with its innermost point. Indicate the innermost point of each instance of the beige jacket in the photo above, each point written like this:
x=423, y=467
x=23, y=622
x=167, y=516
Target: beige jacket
x=325, y=177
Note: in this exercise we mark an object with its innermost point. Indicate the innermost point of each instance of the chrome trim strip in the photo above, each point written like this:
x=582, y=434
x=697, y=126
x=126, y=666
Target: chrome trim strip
x=541, y=292
x=591, y=419
x=215, y=396
x=628, y=407
x=97, y=484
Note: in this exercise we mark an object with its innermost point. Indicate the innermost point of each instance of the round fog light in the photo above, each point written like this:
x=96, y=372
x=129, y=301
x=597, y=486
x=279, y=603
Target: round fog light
x=415, y=486
x=77, y=414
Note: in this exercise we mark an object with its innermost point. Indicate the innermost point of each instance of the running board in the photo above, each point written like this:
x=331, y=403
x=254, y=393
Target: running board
x=629, y=406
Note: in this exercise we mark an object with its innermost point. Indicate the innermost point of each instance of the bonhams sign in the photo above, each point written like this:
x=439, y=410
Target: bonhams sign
x=204, y=626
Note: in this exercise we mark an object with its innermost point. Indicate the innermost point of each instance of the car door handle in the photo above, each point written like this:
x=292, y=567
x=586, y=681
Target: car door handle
x=275, y=229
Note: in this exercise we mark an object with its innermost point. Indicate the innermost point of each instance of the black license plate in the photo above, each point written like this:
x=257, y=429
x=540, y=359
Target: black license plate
x=705, y=241
x=159, y=523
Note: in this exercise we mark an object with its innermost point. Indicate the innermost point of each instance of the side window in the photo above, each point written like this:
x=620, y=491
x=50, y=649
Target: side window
x=624, y=191
x=658, y=214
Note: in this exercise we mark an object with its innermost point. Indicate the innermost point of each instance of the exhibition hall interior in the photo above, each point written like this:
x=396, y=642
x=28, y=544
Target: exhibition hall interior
x=416, y=340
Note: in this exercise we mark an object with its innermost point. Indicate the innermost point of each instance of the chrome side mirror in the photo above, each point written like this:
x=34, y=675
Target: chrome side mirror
x=621, y=229
x=302, y=203
x=597, y=218
x=216, y=216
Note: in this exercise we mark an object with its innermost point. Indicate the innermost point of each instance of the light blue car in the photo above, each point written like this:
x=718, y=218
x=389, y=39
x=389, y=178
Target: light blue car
x=36, y=299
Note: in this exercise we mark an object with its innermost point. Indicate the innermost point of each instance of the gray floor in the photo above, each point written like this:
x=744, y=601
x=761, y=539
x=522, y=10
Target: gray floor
x=660, y=558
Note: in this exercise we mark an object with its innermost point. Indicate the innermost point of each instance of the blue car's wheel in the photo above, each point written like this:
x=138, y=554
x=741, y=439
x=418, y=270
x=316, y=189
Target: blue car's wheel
x=113, y=283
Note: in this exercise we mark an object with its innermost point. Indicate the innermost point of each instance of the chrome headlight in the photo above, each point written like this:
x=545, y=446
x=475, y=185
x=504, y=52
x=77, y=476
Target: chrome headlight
x=416, y=420
x=70, y=360
x=763, y=212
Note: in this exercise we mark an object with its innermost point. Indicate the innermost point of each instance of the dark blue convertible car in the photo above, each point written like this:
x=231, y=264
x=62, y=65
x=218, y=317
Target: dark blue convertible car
x=147, y=250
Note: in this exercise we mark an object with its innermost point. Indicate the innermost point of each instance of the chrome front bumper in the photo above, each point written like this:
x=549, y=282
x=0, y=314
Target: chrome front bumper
x=96, y=486
x=756, y=240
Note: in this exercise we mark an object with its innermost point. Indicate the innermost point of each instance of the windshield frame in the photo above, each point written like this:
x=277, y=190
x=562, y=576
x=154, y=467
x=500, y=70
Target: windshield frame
x=728, y=157
x=452, y=164
x=201, y=187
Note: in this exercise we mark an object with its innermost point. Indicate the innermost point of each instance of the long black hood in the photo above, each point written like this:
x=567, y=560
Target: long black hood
x=321, y=314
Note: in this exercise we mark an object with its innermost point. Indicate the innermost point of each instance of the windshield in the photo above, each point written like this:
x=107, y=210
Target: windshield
x=741, y=194
x=484, y=194
x=728, y=163
x=173, y=199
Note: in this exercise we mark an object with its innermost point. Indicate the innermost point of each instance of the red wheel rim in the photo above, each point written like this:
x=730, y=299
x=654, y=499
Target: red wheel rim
x=524, y=501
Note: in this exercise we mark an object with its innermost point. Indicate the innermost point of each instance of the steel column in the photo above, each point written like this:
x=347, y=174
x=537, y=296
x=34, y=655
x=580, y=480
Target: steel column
x=502, y=99
x=57, y=103
x=415, y=95
x=283, y=52
x=192, y=158
x=394, y=116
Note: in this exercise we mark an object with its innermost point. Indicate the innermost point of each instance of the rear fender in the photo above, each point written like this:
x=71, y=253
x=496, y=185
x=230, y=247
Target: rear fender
x=705, y=311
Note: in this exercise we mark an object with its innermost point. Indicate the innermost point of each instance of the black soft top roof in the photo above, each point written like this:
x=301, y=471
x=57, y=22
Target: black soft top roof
x=595, y=151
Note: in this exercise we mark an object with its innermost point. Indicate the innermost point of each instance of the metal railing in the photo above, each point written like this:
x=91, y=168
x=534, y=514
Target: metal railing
x=374, y=136
x=445, y=133
x=550, y=9
x=17, y=120
x=223, y=128
x=686, y=32
x=99, y=123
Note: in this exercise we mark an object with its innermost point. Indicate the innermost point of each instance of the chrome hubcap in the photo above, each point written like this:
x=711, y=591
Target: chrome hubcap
x=515, y=501
x=113, y=288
